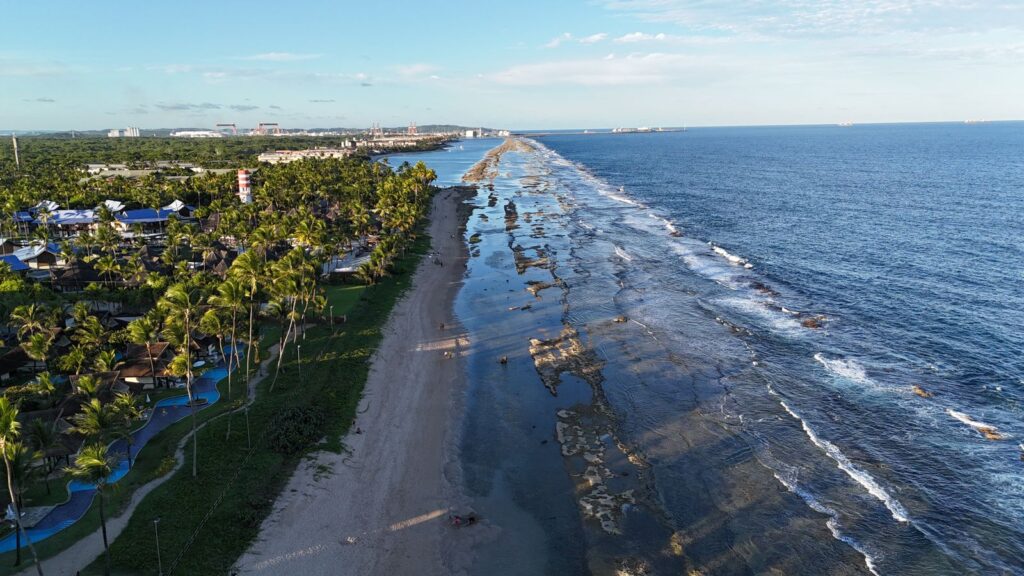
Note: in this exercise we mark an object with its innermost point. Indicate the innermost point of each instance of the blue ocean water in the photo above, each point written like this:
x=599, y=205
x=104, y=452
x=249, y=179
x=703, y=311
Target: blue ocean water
x=823, y=324
x=854, y=264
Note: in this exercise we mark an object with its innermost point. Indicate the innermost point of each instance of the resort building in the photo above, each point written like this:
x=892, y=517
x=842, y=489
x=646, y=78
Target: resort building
x=40, y=256
x=7, y=246
x=71, y=223
x=13, y=263
x=286, y=156
x=146, y=369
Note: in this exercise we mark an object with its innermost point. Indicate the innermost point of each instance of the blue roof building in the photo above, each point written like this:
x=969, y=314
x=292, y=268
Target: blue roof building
x=14, y=263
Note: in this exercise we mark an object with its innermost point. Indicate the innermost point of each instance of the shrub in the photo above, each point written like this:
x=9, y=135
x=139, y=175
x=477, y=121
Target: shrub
x=296, y=428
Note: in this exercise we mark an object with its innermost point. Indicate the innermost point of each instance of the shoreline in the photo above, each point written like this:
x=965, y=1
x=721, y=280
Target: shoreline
x=383, y=503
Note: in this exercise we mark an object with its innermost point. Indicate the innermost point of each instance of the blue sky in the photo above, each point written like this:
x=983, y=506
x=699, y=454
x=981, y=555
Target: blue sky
x=521, y=64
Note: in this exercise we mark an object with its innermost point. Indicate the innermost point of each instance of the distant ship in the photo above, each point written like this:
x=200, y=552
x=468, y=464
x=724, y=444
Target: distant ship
x=846, y=124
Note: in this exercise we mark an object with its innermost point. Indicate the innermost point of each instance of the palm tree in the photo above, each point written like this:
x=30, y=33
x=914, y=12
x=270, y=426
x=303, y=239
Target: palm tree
x=285, y=290
x=30, y=319
x=145, y=330
x=182, y=307
x=87, y=386
x=90, y=333
x=9, y=431
x=94, y=466
x=126, y=407
x=230, y=299
x=19, y=458
x=97, y=421
x=43, y=385
x=74, y=360
x=106, y=265
x=106, y=361
x=248, y=270
x=44, y=437
x=38, y=348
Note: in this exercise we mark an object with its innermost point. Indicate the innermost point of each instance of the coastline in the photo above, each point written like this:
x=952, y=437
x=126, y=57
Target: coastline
x=383, y=503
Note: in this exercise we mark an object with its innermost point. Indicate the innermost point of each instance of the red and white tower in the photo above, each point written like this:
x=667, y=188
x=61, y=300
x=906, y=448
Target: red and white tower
x=244, y=189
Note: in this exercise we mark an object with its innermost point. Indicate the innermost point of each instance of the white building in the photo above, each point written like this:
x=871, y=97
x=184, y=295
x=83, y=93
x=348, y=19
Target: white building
x=94, y=169
x=196, y=134
x=286, y=156
x=115, y=133
x=131, y=132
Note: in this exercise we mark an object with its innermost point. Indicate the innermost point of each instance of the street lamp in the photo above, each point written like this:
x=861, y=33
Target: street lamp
x=332, y=316
x=156, y=532
x=298, y=352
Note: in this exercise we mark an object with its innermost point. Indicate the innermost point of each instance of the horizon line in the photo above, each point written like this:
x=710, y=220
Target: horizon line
x=44, y=131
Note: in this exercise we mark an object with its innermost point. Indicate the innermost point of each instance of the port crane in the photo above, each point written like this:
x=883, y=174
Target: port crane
x=234, y=129
x=261, y=128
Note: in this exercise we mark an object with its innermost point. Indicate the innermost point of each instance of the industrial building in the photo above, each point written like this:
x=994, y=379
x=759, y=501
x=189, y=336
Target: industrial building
x=129, y=132
x=196, y=134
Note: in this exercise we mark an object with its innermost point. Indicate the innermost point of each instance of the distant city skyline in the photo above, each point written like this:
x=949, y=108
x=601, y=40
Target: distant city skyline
x=522, y=65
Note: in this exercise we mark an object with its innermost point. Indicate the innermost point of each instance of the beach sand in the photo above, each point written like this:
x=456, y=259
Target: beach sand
x=383, y=507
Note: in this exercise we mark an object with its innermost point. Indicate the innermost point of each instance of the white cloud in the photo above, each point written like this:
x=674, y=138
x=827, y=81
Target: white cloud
x=281, y=57
x=820, y=18
x=610, y=70
x=640, y=37
x=30, y=69
x=594, y=38
x=557, y=40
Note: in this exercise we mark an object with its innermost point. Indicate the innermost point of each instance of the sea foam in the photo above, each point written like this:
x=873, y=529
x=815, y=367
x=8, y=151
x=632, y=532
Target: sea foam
x=844, y=368
x=732, y=258
x=899, y=513
x=832, y=523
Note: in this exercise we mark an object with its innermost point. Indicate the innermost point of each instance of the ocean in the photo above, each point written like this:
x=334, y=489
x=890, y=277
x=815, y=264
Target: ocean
x=775, y=348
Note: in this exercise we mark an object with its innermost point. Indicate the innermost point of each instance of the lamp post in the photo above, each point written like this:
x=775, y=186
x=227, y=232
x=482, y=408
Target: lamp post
x=298, y=353
x=156, y=532
x=332, y=316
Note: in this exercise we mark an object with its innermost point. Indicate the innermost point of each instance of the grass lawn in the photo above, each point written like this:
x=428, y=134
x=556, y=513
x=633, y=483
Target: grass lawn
x=343, y=297
x=240, y=485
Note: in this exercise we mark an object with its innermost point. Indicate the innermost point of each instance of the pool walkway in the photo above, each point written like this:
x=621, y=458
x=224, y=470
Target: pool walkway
x=165, y=413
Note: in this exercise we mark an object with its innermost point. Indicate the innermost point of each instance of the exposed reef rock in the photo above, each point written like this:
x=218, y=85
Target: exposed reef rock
x=535, y=287
x=511, y=216
x=523, y=261
x=565, y=353
x=487, y=167
x=921, y=391
x=813, y=322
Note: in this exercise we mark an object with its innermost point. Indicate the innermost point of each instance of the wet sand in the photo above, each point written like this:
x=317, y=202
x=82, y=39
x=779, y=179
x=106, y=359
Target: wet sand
x=382, y=507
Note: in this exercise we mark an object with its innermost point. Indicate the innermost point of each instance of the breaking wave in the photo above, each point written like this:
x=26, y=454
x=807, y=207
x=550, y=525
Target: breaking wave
x=899, y=513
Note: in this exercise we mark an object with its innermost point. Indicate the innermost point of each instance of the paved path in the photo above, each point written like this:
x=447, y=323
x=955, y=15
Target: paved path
x=80, y=554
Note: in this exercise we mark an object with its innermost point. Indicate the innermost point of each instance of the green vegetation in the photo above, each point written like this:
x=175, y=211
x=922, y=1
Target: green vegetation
x=141, y=309
x=334, y=369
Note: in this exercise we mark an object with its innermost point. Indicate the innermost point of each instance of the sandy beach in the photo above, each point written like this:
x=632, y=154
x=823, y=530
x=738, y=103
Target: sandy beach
x=382, y=507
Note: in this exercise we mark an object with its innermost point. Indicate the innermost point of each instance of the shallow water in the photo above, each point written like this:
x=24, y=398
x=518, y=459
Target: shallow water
x=762, y=443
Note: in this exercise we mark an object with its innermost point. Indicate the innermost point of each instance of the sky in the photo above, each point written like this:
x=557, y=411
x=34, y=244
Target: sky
x=521, y=64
